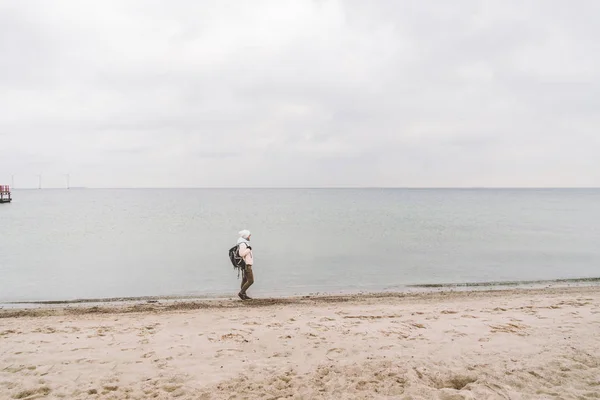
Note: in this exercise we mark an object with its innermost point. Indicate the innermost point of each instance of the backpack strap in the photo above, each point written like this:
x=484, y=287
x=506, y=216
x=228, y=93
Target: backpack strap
x=247, y=245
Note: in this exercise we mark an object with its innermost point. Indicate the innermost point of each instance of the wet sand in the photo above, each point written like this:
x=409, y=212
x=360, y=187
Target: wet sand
x=513, y=344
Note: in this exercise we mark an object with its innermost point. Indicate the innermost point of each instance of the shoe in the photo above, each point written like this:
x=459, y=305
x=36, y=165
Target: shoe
x=242, y=296
x=246, y=297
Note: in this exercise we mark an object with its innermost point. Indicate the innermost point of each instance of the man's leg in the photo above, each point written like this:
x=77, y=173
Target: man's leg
x=244, y=280
x=249, y=280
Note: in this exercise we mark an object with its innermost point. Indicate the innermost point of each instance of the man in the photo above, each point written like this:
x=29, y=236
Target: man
x=245, y=251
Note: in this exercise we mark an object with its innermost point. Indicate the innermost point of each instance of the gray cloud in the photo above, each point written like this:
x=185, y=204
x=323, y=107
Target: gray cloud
x=322, y=93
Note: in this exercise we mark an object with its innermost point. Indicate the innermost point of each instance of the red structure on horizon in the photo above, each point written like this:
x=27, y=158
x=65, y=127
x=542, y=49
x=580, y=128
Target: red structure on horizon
x=5, y=194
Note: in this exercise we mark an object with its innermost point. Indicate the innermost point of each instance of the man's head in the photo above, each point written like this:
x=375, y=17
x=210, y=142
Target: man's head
x=245, y=234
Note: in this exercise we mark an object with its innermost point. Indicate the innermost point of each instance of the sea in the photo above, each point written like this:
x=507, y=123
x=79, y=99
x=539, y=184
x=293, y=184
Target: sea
x=72, y=244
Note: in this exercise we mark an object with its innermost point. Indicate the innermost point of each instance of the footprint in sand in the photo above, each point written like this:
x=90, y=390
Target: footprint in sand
x=229, y=350
x=244, y=331
x=10, y=332
x=335, y=353
x=318, y=327
x=281, y=355
x=33, y=393
x=400, y=334
x=236, y=337
x=515, y=328
x=46, y=330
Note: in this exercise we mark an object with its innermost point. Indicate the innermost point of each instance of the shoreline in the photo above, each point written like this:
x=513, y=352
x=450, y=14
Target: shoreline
x=175, y=304
x=407, y=288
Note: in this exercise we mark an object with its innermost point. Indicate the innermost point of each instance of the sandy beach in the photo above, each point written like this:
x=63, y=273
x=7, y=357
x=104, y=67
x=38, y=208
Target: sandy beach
x=512, y=344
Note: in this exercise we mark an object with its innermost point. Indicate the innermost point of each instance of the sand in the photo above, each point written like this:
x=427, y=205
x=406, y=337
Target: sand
x=517, y=344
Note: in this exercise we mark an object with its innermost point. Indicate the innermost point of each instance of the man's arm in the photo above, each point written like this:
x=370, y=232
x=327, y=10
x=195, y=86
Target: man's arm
x=244, y=250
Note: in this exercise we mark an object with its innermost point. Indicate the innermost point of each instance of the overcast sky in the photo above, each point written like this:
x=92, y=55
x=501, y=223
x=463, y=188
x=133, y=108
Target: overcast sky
x=300, y=93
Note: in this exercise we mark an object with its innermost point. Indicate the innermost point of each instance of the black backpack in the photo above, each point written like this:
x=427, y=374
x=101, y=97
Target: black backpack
x=237, y=260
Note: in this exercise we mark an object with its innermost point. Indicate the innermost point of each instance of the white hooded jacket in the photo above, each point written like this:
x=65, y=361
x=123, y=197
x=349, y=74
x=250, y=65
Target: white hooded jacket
x=245, y=250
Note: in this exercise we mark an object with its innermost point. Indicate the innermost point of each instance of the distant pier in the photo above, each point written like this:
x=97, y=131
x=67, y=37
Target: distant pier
x=5, y=194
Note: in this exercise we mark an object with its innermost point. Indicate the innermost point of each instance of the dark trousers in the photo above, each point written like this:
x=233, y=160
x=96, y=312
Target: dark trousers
x=247, y=278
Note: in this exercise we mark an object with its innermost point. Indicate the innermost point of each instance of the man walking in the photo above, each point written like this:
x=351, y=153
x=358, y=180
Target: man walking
x=245, y=251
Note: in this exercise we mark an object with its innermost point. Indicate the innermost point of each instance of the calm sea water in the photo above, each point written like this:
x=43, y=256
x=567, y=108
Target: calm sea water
x=69, y=244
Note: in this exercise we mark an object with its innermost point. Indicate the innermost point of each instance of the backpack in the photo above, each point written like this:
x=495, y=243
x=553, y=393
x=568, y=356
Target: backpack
x=237, y=260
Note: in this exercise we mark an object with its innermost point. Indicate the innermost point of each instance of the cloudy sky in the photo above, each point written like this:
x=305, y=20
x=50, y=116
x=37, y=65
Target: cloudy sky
x=300, y=93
